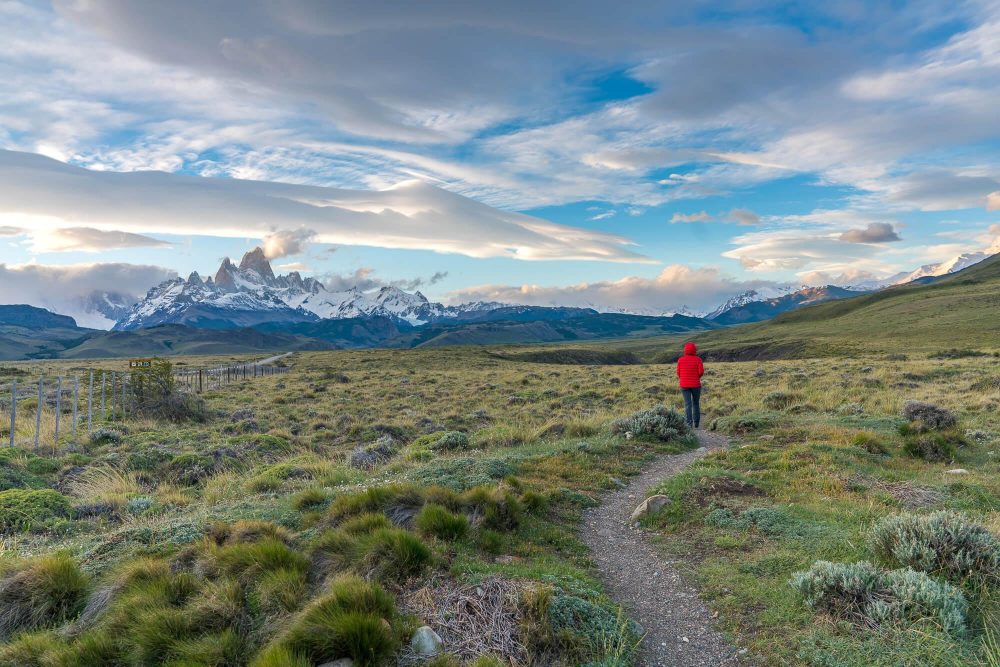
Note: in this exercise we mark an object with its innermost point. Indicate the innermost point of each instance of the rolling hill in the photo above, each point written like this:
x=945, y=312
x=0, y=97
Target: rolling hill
x=959, y=310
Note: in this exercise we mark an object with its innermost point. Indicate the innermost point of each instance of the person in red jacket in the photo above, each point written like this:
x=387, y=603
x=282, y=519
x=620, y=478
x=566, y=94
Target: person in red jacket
x=689, y=371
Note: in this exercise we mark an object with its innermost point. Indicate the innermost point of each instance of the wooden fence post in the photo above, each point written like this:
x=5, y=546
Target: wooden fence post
x=112, y=394
x=76, y=403
x=103, y=380
x=55, y=439
x=90, y=404
x=123, y=397
x=38, y=413
x=13, y=410
x=199, y=381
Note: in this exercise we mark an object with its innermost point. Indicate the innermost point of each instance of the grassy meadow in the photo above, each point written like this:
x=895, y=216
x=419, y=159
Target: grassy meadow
x=331, y=511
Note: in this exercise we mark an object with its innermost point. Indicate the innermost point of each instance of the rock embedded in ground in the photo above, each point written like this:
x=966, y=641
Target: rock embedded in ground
x=650, y=505
x=425, y=641
x=956, y=471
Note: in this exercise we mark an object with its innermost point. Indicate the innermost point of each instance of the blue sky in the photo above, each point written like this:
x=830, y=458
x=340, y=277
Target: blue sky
x=645, y=155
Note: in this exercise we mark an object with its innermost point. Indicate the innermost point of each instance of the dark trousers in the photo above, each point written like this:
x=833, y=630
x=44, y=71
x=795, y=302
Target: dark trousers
x=692, y=406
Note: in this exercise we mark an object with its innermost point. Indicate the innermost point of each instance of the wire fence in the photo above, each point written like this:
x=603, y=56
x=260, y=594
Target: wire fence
x=46, y=412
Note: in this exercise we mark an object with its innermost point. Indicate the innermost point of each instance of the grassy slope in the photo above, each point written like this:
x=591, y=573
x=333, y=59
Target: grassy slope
x=961, y=310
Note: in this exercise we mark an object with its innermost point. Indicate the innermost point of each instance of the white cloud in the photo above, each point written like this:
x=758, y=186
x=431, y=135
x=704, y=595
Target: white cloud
x=286, y=242
x=88, y=239
x=875, y=232
x=70, y=289
x=411, y=215
x=700, y=216
x=993, y=201
x=676, y=287
x=744, y=216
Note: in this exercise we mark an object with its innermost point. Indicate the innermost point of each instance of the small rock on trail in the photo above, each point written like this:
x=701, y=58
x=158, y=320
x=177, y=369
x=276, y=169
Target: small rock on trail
x=678, y=625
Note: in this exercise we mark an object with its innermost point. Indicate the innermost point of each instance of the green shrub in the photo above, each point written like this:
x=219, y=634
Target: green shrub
x=463, y=473
x=491, y=541
x=585, y=628
x=768, y=520
x=869, y=442
x=191, y=469
x=659, y=423
x=533, y=502
x=105, y=436
x=451, y=440
x=780, y=400
x=862, y=593
x=42, y=592
x=436, y=521
x=930, y=446
x=941, y=542
x=18, y=478
x=24, y=509
x=743, y=424
x=310, y=499
x=38, y=465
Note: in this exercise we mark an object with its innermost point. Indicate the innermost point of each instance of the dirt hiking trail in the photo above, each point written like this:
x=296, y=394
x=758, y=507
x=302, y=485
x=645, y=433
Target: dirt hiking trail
x=677, y=623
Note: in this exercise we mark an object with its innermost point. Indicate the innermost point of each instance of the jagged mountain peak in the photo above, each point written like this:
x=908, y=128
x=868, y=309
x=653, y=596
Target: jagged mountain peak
x=257, y=261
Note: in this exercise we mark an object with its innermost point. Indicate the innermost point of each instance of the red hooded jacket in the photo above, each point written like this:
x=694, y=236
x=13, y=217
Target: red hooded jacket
x=690, y=368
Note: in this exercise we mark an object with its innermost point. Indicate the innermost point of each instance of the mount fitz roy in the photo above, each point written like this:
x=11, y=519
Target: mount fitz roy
x=250, y=294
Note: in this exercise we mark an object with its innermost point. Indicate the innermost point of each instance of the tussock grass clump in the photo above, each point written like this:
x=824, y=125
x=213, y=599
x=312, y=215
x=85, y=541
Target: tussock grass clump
x=744, y=424
x=932, y=446
x=27, y=509
x=389, y=554
x=942, y=542
x=39, y=593
x=247, y=530
x=780, y=400
x=437, y=521
x=658, y=423
x=869, y=442
x=493, y=508
x=864, y=594
x=354, y=620
x=442, y=441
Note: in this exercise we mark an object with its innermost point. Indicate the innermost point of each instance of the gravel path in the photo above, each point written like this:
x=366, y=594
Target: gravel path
x=678, y=626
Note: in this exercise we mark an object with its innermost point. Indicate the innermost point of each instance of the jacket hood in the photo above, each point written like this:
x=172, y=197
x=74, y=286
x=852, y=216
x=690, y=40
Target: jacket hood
x=690, y=348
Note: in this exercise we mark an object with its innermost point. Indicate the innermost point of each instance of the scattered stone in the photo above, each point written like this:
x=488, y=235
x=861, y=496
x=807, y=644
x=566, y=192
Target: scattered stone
x=617, y=482
x=649, y=506
x=343, y=662
x=956, y=471
x=425, y=641
x=380, y=451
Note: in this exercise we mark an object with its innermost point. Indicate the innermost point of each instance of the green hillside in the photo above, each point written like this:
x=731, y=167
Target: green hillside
x=960, y=311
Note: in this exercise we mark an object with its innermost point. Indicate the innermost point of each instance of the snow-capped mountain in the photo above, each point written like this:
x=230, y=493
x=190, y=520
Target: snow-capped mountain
x=751, y=296
x=963, y=261
x=251, y=294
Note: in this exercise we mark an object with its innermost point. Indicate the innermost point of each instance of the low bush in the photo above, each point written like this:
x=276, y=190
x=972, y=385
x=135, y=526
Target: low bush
x=929, y=416
x=938, y=543
x=436, y=521
x=869, y=442
x=191, y=469
x=933, y=447
x=105, y=436
x=368, y=456
x=43, y=592
x=26, y=509
x=864, y=594
x=768, y=520
x=464, y=473
x=659, y=423
x=744, y=424
x=780, y=400
x=451, y=440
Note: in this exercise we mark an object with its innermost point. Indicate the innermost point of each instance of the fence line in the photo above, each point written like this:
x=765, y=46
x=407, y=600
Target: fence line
x=49, y=397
